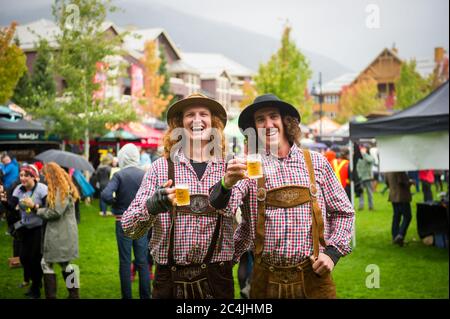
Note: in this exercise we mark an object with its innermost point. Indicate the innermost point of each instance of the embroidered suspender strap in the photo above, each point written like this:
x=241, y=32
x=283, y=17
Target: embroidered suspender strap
x=317, y=219
x=261, y=219
x=171, y=175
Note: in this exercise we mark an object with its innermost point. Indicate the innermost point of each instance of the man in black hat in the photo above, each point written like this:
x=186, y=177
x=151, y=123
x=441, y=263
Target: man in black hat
x=192, y=245
x=296, y=207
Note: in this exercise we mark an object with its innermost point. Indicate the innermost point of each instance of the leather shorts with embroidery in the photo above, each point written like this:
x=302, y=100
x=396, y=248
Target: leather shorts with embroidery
x=203, y=281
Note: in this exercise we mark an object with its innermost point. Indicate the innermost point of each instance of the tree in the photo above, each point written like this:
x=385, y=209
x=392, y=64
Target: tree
x=286, y=75
x=249, y=92
x=359, y=99
x=155, y=103
x=12, y=63
x=30, y=91
x=23, y=93
x=42, y=80
x=410, y=87
x=84, y=51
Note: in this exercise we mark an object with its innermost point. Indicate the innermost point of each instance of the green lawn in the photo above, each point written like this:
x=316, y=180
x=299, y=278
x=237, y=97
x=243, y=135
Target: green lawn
x=412, y=271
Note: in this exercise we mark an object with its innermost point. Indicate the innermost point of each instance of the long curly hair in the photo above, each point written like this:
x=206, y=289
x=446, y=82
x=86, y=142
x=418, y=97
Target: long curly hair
x=58, y=181
x=292, y=129
x=177, y=122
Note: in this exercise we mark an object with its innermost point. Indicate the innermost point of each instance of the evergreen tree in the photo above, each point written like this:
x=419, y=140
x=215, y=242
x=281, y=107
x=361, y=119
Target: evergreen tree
x=23, y=92
x=42, y=80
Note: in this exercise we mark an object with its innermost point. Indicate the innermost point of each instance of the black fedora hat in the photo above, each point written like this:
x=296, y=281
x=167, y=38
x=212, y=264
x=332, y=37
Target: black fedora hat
x=246, y=119
x=198, y=99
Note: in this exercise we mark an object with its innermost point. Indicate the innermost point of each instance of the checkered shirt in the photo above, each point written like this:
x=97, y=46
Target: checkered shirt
x=192, y=233
x=288, y=235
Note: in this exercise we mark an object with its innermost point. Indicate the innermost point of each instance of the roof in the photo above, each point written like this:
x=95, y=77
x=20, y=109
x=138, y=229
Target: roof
x=20, y=125
x=136, y=39
x=328, y=125
x=29, y=34
x=212, y=76
x=180, y=66
x=386, y=50
x=335, y=85
x=214, y=64
x=428, y=115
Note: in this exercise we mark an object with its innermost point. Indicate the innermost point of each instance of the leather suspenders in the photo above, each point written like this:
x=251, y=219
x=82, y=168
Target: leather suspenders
x=298, y=195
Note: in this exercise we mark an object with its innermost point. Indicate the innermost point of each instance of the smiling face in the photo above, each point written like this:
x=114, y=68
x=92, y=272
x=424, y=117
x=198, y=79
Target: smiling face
x=269, y=119
x=197, y=122
x=26, y=180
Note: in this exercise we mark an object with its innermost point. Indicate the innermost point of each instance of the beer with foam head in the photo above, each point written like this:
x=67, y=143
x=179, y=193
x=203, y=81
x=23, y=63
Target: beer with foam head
x=182, y=194
x=254, y=166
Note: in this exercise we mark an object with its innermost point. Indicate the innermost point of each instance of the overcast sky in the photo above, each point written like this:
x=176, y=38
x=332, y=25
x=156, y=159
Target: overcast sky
x=350, y=31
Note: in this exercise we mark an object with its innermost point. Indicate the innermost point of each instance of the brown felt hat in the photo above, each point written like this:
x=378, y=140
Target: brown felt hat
x=198, y=99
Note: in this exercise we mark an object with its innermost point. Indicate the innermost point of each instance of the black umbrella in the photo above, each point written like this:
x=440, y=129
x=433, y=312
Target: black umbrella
x=65, y=159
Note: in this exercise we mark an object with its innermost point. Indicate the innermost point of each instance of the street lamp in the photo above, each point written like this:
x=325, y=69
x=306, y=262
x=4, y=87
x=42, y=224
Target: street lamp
x=318, y=93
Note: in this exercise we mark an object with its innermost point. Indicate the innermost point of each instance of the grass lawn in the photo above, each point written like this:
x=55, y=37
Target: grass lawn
x=412, y=271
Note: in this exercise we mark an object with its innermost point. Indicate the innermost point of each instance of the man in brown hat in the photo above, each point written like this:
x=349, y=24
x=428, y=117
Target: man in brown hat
x=297, y=216
x=192, y=245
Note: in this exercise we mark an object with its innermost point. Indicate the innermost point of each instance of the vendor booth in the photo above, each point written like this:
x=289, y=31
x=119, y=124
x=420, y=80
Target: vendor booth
x=23, y=138
x=416, y=138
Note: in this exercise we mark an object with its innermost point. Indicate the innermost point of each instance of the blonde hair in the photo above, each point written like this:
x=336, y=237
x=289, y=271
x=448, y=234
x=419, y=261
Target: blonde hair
x=177, y=122
x=58, y=181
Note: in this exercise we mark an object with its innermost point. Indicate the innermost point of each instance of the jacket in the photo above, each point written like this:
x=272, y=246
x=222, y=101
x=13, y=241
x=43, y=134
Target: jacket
x=364, y=167
x=398, y=183
x=61, y=231
x=10, y=173
x=125, y=183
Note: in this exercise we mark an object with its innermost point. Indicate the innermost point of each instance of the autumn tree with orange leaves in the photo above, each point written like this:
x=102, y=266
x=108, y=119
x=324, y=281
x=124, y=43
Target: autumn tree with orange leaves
x=249, y=94
x=154, y=103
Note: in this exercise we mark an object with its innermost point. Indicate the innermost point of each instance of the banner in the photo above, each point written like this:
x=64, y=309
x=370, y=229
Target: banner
x=100, y=77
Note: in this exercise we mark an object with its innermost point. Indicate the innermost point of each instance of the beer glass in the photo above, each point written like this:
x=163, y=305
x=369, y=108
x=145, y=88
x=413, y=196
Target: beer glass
x=254, y=166
x=182, y=194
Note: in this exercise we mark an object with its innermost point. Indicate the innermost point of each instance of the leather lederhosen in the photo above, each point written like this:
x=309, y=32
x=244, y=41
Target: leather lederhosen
x=294, y=281
x=195, y=281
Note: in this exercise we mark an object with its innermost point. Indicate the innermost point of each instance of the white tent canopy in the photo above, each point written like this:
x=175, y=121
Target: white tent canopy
x=413, y=139
x=413, y=152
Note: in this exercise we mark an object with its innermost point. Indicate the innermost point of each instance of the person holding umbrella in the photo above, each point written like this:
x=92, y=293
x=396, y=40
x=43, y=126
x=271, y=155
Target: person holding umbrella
x=192, y=245
x=297, y=216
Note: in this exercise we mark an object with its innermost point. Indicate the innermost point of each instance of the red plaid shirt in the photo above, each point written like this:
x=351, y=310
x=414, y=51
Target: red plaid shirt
x=288, y=236
x=192, y=233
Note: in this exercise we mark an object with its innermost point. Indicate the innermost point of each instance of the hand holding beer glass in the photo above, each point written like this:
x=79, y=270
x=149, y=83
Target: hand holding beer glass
x=243, y=167
x=170, y=192
x=178, y=195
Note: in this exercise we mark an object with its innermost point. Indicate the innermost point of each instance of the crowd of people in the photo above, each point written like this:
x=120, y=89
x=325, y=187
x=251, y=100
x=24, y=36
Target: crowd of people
x=287, y=228
x=366, y=176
